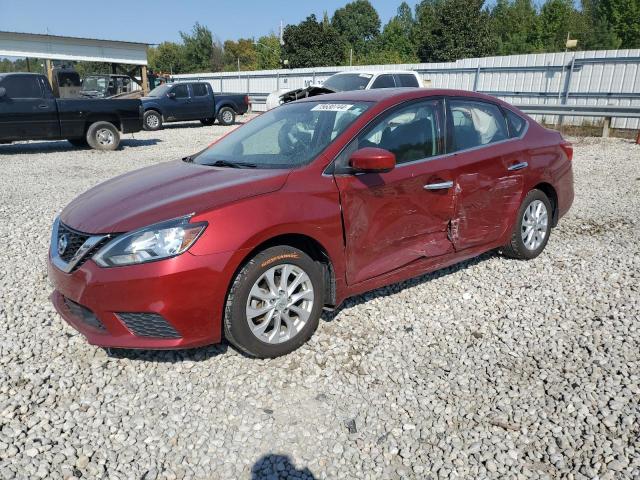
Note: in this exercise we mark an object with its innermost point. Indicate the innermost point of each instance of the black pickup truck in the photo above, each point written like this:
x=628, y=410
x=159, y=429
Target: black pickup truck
x=182, y=101
x=29, y=111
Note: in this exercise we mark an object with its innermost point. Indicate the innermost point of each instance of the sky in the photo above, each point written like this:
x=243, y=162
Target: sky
x=160, y=20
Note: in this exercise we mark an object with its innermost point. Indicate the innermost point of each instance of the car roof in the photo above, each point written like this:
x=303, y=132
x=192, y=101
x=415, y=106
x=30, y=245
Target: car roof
x=394, y=95
x=375, y=72
x=8, y=74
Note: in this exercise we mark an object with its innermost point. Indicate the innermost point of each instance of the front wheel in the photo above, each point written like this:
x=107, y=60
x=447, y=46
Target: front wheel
x=533, y=226
x=103, y=136
x=152, y=120
x=226, y=116
x=275, y=302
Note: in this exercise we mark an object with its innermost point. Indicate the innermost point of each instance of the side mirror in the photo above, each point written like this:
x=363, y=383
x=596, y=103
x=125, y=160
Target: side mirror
x=171, y=94
x=3, y=92
x=372, y=160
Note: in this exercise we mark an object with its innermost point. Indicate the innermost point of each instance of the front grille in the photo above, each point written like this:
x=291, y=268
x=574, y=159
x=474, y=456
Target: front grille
x=74, y=241
x=91, y=252
x=148, y=325
x=84, y=314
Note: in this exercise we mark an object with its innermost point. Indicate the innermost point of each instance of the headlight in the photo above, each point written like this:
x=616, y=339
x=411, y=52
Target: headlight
x=155, y=242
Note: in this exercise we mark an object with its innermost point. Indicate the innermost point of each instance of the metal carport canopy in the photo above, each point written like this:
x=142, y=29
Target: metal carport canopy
x=53, y=47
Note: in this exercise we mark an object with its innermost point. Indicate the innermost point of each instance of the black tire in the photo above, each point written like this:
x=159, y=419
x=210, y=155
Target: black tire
x=226, y=116
x=152, y=120
x=236, y=326
x=103, y=136
x=78, y=142
x=516, y=247
x=208, y=121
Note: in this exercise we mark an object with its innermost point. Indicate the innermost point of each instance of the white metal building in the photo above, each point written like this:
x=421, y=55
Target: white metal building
x=605, y=77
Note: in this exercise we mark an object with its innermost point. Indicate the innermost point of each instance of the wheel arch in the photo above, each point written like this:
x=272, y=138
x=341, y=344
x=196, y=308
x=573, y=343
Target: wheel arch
x=308, y=245
x=552, y=195
x=155, y=109
x=112, y=119
x=226, y=104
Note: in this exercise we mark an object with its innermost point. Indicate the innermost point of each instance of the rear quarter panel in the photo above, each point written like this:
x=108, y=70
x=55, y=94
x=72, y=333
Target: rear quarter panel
x=548, y=163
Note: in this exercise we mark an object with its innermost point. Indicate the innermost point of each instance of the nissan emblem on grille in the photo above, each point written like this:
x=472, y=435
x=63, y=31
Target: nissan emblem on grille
x=62, y=244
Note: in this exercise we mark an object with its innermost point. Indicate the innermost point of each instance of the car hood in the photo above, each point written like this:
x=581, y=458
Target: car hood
x=165, y=191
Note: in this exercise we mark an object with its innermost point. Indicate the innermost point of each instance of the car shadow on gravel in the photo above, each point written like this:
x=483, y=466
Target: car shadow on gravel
x=329, y=316
x=169, y=356
x=277, y=466
x=64, y=146
x=197, y=124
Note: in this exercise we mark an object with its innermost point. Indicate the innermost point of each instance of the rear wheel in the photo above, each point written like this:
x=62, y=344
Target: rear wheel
x=207, y=121
x=226, y=116
x=103, y=136
x=152, y=120
x=532, y=229
x=275, y=302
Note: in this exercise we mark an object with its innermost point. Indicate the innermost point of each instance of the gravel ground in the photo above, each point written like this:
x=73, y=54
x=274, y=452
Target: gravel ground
x=490, y=369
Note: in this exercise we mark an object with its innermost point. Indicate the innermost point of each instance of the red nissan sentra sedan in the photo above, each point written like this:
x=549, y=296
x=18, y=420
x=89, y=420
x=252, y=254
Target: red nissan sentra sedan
x=302, y=207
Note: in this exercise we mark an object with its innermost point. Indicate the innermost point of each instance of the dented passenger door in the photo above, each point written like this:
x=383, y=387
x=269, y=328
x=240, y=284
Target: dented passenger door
x=395, y=218
x=489, y=172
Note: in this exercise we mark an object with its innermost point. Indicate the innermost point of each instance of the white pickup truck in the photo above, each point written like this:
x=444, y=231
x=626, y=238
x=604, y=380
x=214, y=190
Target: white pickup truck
x=345, y=81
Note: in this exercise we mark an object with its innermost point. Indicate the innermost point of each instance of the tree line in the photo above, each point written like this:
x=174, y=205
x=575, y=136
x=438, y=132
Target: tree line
x=432, y=31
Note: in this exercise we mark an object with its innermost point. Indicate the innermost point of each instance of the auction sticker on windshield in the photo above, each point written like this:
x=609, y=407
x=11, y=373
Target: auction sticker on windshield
x=332, y=107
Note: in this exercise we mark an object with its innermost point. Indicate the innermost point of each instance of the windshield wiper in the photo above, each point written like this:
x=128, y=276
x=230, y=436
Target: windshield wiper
x=187, y=159
x=226, y=163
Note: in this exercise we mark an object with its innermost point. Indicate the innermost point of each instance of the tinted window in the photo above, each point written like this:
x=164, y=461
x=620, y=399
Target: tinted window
x=411, y=133
x=285, y=137
x=199, y=89
x=22, y=87
x=181, y=91
x=476, y=124
x=347, y=81
x=407, y=80
x=516, y=124
x=384, y=81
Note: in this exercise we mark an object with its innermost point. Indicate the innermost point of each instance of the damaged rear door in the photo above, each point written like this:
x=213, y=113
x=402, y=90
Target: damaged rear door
x=392, y=219
x=489, y=171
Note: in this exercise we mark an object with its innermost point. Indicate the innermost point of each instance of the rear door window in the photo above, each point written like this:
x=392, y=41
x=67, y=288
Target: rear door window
x=384, y=81
x=199, y=89
x=22, y=86
x=407, y=80
x=475, y=124
x=516, y=124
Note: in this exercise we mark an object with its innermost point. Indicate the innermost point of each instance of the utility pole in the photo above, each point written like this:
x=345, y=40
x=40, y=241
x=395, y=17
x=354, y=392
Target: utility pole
x=351, y=57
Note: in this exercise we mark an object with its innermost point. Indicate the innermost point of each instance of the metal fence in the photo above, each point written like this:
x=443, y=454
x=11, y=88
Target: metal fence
x=599, y=78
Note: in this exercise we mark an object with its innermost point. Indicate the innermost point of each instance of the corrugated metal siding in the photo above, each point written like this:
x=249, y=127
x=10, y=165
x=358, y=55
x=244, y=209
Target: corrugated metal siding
x=605, y=77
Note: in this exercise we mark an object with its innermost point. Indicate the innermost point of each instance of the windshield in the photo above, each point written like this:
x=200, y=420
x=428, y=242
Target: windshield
x=159, y=91
x=344, y=82
x=95, y=84
x=285, y=137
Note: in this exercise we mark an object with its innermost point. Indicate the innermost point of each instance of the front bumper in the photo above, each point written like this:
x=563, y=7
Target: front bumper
x=187, y=292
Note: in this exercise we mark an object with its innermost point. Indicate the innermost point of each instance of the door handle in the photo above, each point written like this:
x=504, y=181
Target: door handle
x=518, y=166
x=439, y=185
x=43, y=106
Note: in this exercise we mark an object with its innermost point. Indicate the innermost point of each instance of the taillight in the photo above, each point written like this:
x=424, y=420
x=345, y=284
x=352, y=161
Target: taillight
x=568, y=149
x=246, y=99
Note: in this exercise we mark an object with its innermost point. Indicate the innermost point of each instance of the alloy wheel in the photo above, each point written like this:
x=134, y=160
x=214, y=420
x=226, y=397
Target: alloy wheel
x=104, y=136
x=280, y=303
x=535, y=225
